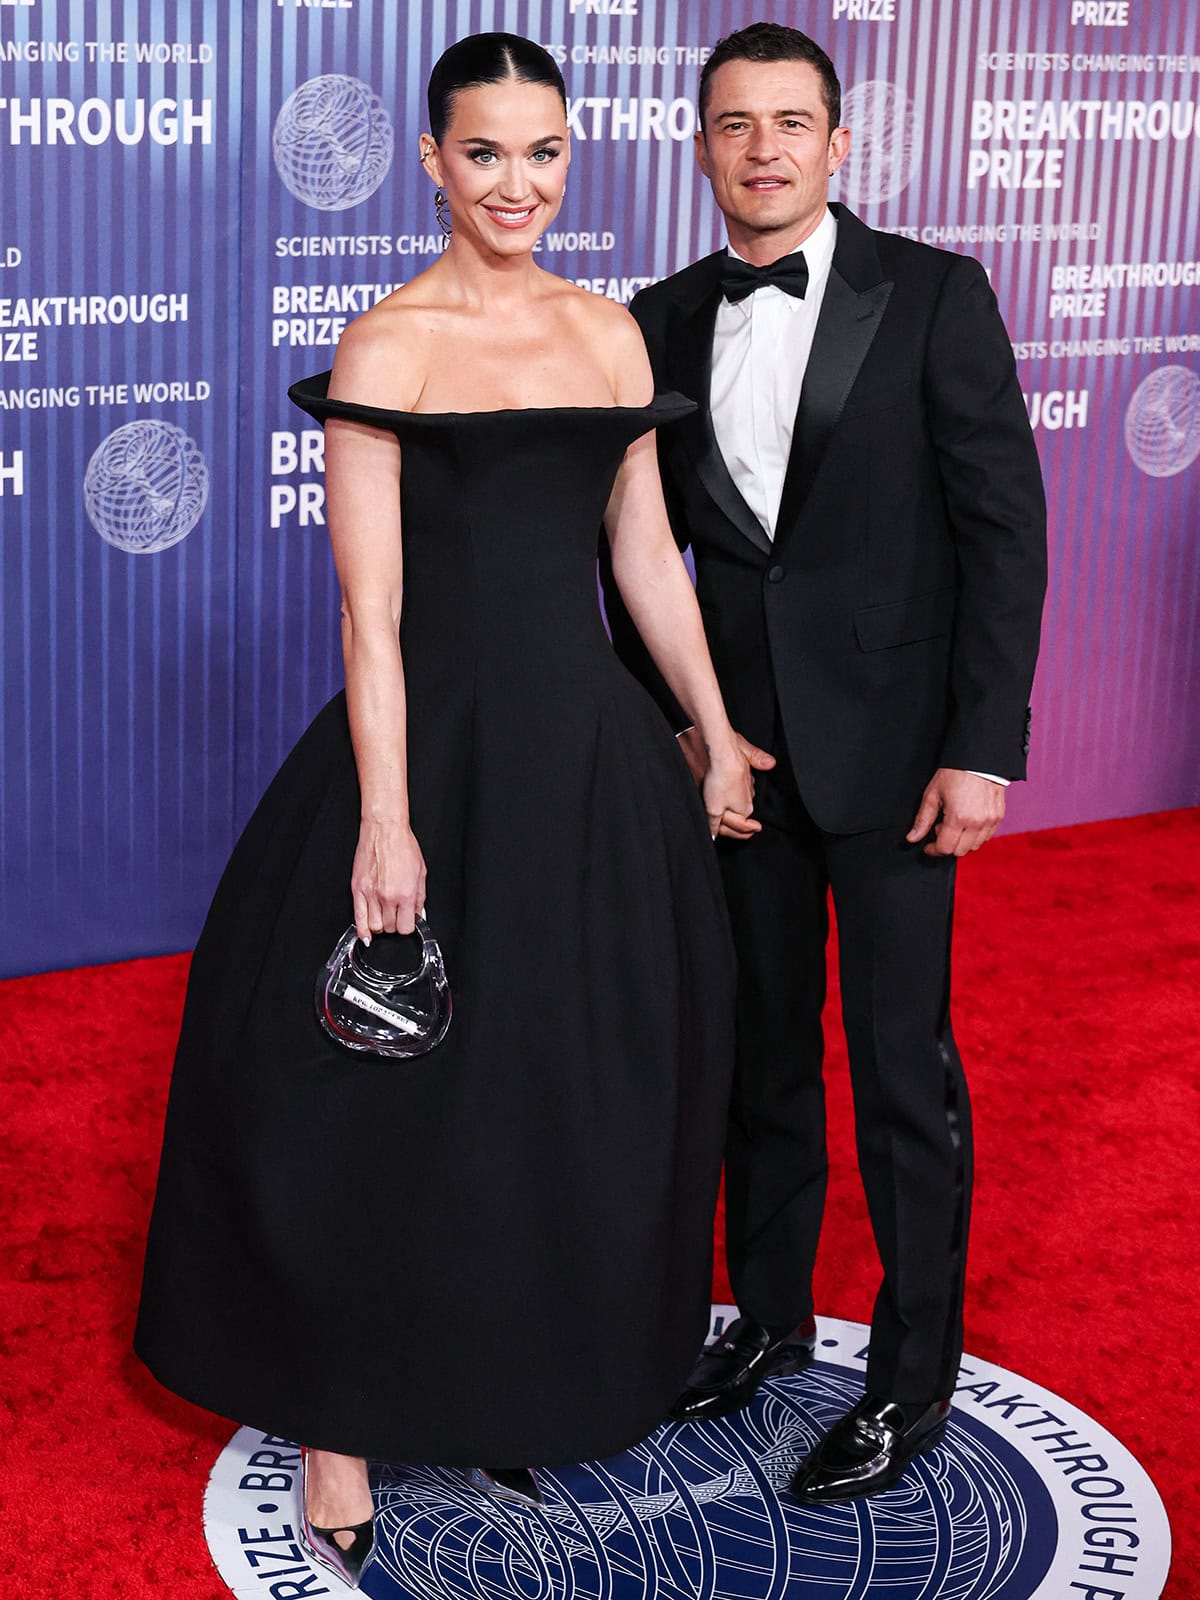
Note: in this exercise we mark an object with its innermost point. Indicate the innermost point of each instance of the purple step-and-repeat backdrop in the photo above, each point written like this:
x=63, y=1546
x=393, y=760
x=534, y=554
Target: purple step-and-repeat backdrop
x=197, y=195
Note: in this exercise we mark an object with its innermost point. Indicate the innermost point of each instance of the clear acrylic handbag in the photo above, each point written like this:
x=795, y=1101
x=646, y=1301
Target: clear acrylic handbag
x=371, y=998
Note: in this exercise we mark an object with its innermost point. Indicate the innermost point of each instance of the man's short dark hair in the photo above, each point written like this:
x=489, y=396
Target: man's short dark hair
x=771, y=41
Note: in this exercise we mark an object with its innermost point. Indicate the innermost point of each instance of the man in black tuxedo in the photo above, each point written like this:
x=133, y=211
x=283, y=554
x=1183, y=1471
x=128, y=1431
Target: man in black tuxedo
x=862, y=495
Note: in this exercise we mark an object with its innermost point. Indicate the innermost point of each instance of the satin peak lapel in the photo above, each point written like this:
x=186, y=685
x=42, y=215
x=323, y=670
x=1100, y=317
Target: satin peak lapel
x=845, y=329
x=691, y=364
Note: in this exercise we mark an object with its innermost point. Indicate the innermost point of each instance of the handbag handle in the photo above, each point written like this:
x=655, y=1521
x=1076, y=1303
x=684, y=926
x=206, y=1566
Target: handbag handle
x=430, y=959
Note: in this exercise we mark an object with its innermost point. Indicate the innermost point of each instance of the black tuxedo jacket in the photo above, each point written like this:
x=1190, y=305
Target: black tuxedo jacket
x=895, y=619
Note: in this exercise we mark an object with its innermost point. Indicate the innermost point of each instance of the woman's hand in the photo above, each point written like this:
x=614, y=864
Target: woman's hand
x=728, y=791
x=387, y=880
x=696, y=755
x=740, y=764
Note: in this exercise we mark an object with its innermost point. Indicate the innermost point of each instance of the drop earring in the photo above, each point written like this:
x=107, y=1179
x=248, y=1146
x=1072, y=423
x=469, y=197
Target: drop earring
x=442, y=212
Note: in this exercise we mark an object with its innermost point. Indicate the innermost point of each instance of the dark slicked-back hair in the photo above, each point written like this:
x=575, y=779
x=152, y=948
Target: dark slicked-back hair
x=487, y=58
x=771, y=41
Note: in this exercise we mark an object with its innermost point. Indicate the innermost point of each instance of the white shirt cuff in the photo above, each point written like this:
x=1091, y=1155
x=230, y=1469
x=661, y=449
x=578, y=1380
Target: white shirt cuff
x=992, y=778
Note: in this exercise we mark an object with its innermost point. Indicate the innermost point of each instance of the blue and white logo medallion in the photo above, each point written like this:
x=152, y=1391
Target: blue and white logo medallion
x=145, y=487
x=887, y=142
x=1027, y=1499
x=1162, y=422
x=333, y=142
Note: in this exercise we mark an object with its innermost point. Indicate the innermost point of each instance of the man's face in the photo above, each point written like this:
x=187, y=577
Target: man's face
x=767, y=148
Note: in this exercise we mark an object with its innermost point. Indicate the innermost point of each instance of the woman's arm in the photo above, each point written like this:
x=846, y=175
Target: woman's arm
x=654, y=585
x=362, y=489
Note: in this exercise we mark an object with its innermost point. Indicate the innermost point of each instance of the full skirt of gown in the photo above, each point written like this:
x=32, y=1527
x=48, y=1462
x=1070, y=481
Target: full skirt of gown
x=499, y=1252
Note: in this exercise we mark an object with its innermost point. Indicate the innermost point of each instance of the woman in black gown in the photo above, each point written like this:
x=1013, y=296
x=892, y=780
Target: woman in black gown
x=499, y=1251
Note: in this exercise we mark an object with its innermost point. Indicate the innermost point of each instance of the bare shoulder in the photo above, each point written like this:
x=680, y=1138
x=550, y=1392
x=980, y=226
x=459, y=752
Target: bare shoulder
x=605, y=318
x=383, y=356
x=615, y=342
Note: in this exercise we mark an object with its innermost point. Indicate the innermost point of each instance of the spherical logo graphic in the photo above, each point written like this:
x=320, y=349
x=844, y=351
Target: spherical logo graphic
x=885, y=145
x=333, y=142
x=145, y=487
x=1025, y=1498
x=1162, y=424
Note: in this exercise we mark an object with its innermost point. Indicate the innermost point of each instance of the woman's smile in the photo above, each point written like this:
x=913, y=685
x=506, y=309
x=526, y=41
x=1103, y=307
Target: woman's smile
x=511, y=216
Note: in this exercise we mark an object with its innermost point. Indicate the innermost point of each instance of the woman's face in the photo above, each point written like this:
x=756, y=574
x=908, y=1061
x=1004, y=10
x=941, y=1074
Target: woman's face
x=503, y=163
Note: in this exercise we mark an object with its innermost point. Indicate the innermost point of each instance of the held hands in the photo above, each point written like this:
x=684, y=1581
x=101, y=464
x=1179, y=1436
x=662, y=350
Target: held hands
x=726, y=781
x=387, y=880
x=962, y=809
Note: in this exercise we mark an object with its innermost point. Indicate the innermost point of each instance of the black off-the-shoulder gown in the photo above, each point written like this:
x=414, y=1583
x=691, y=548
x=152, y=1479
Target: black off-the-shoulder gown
x=498, y=1252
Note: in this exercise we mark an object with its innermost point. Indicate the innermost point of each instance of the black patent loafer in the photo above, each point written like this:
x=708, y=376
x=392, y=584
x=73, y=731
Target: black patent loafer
x=868, y=1450
x=732, y=1367
x=517, y=1485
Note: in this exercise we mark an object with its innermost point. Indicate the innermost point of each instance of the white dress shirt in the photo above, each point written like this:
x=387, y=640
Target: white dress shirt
x=761, y=347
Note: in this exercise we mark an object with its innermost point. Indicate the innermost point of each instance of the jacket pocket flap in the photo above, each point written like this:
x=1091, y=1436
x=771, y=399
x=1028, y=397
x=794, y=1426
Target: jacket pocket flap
x=924, y=616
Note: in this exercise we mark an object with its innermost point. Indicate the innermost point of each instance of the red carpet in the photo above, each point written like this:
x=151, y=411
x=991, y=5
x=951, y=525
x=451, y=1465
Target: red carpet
x=1077, y=1009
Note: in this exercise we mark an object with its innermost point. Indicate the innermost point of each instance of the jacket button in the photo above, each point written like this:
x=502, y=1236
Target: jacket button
x=775, y=575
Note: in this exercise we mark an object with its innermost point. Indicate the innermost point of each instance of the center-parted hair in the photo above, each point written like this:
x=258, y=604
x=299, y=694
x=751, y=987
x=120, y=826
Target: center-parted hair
x=771, y=41
x=487, y=58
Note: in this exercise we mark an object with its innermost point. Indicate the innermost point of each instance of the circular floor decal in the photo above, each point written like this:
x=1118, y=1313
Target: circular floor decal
x=1027, y=1499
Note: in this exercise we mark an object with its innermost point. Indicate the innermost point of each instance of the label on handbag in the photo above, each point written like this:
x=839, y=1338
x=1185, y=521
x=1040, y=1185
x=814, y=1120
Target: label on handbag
x=365, y=1003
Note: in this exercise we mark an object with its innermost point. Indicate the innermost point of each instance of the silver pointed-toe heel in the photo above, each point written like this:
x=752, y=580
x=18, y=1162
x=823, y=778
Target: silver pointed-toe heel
x=348, y=1565
x=514, y=1484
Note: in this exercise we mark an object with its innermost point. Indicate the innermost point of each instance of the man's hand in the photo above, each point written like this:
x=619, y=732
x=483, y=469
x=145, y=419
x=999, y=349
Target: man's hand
x=963, y=810
x=696, y=755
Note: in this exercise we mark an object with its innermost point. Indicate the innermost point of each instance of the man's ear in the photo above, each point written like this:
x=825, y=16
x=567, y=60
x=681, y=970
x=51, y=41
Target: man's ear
x=839, y=148
x=701, y=144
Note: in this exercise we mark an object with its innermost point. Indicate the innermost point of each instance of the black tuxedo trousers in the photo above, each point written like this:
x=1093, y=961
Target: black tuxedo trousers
x=894, y=907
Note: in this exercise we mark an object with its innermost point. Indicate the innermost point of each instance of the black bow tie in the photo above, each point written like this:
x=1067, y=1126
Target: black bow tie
x=739, y=278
